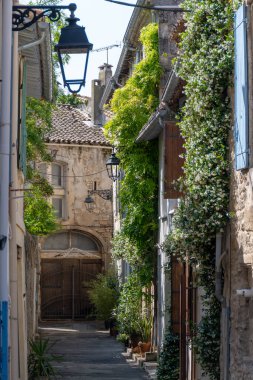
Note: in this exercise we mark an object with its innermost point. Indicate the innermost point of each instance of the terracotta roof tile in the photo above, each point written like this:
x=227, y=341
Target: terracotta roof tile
x=70, y=125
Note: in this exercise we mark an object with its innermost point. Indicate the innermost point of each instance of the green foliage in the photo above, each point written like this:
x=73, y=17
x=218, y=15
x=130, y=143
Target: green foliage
x=205, y=64
x=132, y=105
x=38, y=123
x=168, y=362
x=103, y=294
x=133, y=321
x=40, y=360
x=123, y=338
x=71, y=99
x=146, y=324
x=205, y=339
x=39, y=215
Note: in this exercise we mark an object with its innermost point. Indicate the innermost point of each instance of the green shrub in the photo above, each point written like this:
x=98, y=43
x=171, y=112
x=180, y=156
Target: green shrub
x=103, y=294
x=131, y=317
x=40, y=360
x=168, y=363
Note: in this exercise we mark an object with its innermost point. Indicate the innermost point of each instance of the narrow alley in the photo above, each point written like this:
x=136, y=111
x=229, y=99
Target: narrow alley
x=89, y=352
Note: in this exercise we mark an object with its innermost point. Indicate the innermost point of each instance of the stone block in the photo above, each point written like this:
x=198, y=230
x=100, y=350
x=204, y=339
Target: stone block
x=150, y=356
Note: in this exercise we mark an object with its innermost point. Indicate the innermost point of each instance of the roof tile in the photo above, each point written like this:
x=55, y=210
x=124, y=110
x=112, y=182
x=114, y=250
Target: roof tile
x=70, y=125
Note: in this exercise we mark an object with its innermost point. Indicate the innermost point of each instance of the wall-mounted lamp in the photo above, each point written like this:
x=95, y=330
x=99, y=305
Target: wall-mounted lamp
x=73, y=39
x=112, y=167
x=89, y=201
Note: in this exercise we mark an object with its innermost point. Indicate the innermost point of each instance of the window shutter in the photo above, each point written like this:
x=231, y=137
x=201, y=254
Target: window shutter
x=23, y=133
x=241, y=91
x=173, y=163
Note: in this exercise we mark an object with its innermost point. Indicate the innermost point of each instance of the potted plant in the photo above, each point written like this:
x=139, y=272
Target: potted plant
x=40, y=360
x=123, y=338
x=103, y=294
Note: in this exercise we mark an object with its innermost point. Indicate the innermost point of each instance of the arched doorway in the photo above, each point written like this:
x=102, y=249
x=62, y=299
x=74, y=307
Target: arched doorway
x=70, y=260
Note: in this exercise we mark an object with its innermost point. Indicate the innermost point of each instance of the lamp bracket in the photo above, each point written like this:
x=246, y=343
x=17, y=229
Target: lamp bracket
x=24, y=16
x=105, y=194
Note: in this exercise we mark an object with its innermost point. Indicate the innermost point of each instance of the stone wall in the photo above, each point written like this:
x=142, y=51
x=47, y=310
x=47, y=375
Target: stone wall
x=238, y=275
x=83, y=170
x=237, y=311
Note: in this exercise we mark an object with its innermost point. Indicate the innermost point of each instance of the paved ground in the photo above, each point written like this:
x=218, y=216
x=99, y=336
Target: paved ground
x=89, y=352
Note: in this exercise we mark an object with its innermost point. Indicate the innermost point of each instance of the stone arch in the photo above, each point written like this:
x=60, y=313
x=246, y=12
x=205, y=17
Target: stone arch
x=89, y=232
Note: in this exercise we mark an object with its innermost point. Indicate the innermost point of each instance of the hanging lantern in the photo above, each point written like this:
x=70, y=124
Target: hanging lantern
x=112, y=167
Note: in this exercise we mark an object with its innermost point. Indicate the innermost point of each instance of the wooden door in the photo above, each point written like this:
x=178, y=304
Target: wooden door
x=64, y=285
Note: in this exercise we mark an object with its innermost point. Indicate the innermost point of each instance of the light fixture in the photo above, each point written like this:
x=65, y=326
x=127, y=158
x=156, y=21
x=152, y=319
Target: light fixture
x=73, y=40
x=89, y=201
x=112, y=167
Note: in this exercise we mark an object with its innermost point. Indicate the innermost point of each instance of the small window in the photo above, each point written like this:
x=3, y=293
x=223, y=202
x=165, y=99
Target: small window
x=57, y=241
x=79, y=240
x=58, y=206
x=56, y=175
x=71, y=239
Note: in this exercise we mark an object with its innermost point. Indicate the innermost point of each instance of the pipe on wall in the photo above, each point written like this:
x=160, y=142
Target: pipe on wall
x=5, y=127
x=218, y=272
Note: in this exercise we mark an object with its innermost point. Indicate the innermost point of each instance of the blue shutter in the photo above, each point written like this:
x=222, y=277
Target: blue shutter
x=241, y=91
x=23, y=134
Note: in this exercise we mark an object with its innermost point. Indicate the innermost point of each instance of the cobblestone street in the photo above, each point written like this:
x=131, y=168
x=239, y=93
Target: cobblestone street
x=89, y=352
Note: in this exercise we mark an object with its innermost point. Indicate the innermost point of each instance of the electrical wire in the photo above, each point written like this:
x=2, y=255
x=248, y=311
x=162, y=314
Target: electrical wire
x=71, y=176
x=167, y=8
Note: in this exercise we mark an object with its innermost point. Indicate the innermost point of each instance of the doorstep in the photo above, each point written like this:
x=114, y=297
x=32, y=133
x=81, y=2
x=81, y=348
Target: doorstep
x=150, y=368
x=148, y=363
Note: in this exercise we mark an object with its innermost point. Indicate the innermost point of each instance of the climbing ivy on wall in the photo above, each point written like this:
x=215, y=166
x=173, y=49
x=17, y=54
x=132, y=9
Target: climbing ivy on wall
x=205, y=63
x=39, y=215
x=132, y=105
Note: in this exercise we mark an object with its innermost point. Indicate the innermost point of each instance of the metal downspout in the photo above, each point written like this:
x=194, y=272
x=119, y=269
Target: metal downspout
x=5, y=126
x=218, y=271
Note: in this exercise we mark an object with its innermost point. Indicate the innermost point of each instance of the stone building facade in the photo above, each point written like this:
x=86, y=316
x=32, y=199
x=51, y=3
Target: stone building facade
x=76, y=253
x=25, y=70
x=237, y=252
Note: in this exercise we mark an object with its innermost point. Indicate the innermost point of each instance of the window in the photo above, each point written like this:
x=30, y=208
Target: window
x=53, y=172
x=56, y=172
x=70, y=239
x=58, y=206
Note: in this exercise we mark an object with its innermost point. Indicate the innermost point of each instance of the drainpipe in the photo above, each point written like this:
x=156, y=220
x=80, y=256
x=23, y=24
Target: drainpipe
x=5, y=126
x=34, y=43
x=43, y=26
x=15, y=344
x=218, y=271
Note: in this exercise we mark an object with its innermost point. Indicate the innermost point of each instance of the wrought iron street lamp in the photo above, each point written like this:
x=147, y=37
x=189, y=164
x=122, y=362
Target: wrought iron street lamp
x=89, y=201
x=112, y=167
x=73, y=39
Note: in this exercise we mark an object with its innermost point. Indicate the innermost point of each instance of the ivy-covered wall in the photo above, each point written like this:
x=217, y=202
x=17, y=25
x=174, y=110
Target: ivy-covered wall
x=132, y=105
x=205, y=63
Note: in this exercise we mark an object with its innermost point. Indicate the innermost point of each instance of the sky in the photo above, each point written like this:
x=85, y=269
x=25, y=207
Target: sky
x=105, y=24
